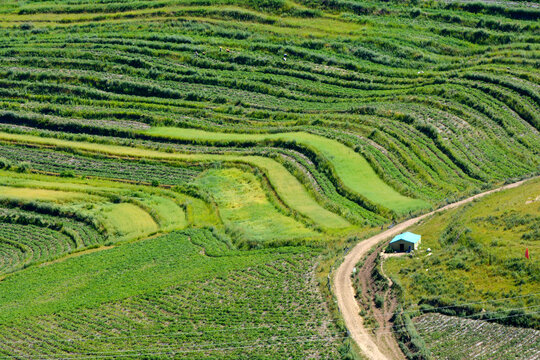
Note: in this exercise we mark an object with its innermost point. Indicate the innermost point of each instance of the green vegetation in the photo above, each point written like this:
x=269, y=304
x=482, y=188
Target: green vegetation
x=245, y=209
x=118, y=273
x=231, y=305
x=353, y=170
x=177, y=177
x=22, y=245
x=455, y=338
x=477, y=261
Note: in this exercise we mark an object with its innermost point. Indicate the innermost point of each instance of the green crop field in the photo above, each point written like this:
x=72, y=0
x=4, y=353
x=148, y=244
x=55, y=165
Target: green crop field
x=179, y=177
x=455, y=338
x=350, y=166
x=244, y=207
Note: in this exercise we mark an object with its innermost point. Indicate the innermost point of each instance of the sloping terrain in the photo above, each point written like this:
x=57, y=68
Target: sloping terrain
x=180, y=167
x=478, y=251
x=476, y=262
x=453, y=338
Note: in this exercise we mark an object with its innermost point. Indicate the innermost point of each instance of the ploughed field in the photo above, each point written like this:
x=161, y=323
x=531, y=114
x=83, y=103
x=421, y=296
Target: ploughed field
x=174, y=173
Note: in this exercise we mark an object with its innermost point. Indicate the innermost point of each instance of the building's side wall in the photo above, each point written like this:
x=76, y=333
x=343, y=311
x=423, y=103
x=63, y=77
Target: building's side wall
x=406, y=245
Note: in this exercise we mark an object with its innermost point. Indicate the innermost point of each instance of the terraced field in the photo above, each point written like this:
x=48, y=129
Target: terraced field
x=125, y=212
x=350, y=166
x=177, y=177
x=454, y=338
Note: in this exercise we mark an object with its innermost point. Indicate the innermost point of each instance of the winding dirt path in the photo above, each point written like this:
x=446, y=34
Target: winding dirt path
x=343, y=287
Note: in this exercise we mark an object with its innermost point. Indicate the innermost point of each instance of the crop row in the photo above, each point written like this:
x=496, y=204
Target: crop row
x=73, y=164
x=30, y=237
x=450, y=337
x=265, y=310
x=22, y=245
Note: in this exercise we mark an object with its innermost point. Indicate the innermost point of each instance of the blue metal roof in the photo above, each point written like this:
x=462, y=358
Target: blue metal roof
x=407, y=236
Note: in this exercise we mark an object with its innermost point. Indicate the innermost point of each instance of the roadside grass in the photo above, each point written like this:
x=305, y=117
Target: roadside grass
x=478, y=253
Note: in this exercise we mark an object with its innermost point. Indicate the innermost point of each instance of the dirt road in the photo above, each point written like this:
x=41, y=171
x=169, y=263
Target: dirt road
x=343, y=285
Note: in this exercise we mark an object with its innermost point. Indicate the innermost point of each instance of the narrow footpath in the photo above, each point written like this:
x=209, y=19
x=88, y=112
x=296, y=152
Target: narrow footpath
x=344, y=290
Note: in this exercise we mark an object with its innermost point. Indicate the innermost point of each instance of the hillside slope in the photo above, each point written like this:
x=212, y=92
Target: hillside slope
x=178, y=176
x=436, y=116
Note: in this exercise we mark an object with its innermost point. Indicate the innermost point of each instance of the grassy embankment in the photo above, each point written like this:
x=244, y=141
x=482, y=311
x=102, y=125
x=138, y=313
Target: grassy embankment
x=478, y=258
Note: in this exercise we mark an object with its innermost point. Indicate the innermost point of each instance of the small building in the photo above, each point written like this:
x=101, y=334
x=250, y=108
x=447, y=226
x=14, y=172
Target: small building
x=405, y=242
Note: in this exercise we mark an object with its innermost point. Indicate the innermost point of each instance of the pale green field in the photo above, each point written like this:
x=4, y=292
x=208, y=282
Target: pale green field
x=291, y=191
x=166, y=211
x=126, y=221
x=244, y=208
x=351, y=167
x=45, y=195
x=125, y=211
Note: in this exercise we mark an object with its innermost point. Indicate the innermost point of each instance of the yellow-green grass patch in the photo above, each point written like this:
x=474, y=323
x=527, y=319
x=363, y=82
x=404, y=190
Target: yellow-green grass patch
x=326, y=26
x=351, y=167
x=246, y=210
x=290, y=190
x=24, y=193
x=166, y=212
x=295, y=195
x=126, y=221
